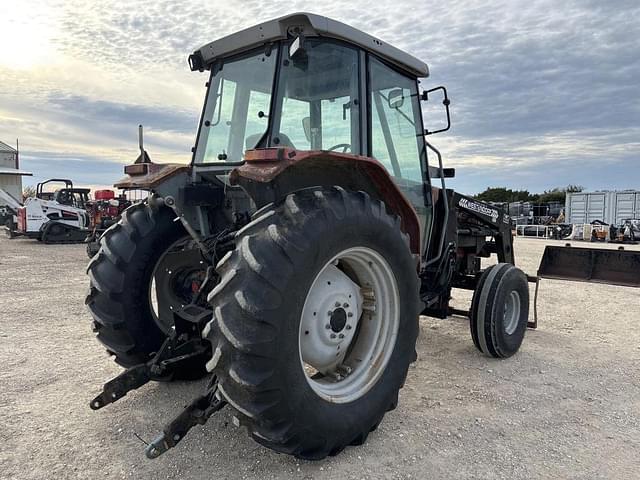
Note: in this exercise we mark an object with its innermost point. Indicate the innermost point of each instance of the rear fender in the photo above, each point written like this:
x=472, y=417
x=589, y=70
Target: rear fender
x=270, y=174
x=162, y=177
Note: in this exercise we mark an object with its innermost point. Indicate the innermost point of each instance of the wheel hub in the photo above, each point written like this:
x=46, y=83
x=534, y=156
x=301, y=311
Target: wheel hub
x=175, y=280
x=329, y=319
x=338, y=319
x=349, y=324
x=511, y=312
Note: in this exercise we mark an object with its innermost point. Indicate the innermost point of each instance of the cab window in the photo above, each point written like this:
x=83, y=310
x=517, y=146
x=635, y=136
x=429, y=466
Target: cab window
x=318, y=91
x=395, y=122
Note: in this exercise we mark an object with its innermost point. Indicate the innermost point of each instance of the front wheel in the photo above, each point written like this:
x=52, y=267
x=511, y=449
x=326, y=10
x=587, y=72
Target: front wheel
x=500, y=310
x=315, y=323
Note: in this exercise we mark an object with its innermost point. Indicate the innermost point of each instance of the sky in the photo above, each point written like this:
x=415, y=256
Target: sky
x=544, y=93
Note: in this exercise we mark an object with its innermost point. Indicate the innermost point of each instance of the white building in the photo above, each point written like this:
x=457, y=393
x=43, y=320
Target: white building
x=10, y=173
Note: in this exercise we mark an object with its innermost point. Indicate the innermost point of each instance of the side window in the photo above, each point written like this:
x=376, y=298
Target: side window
x=336, y=123
x=318, y=91
x=236, y=112
x=292, y=128
x=395, y=122
x=219, y=143
x=256, y=123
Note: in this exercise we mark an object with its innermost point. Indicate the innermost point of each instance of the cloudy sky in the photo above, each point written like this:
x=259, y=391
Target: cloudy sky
x=544, y=93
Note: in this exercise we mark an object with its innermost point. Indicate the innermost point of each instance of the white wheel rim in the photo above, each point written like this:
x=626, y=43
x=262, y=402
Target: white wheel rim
x=349, y=325
x=511, y=312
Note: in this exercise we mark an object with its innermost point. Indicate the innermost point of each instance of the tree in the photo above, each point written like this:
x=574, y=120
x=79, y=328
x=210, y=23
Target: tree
x=502, y=194
x=558, y=194
x=28, y=191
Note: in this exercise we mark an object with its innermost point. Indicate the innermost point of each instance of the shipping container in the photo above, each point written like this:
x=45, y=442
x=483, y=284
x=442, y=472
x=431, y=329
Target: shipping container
x=608, y=207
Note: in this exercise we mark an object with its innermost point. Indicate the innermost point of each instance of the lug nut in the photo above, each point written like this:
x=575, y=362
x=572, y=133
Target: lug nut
x=327, y=326
x=345, y=305
x=341, y=335
x=337, y=304
x=350, y=314
x=333, y=335
x=348, y=327
x=329, y=313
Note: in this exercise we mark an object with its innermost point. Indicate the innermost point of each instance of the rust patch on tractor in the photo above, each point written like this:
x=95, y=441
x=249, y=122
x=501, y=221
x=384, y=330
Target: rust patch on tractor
x=149, y=175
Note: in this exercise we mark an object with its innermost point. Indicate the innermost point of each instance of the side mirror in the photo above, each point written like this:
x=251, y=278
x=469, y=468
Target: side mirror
x=445, y=101
x=435, y=172
x=396, y=98
x=306, y=126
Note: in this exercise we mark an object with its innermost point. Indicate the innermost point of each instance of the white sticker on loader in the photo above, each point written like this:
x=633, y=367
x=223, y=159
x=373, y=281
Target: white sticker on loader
x=480, y=208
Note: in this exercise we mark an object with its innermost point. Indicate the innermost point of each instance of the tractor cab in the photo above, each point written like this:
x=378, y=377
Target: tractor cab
x=311, y=83
x=307, y=83
x=73, y=197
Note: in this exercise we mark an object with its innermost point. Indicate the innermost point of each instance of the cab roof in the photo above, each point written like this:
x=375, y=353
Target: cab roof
x=309, y=25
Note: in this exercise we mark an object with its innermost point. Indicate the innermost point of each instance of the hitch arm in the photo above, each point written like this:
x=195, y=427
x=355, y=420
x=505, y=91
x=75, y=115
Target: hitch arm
x=183, y=343
x=197, y=412
x=173, y=351
x=115, y=389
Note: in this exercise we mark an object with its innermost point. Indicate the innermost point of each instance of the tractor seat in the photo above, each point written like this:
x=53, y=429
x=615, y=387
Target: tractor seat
x=284, y=141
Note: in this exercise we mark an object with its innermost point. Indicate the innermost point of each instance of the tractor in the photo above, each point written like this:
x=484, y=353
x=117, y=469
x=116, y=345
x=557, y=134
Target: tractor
x=104, y=210
x=291, y=259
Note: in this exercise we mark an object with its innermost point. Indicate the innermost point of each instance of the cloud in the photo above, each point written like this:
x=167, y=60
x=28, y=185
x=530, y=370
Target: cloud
x=79, y=108
x=101, y=174
x=540, y=90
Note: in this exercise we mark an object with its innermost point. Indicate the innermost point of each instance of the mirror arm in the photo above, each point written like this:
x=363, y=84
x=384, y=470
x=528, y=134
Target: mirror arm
x=446, y=102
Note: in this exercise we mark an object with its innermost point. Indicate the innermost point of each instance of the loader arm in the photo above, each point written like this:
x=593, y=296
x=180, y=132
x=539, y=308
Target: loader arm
x=472, y=230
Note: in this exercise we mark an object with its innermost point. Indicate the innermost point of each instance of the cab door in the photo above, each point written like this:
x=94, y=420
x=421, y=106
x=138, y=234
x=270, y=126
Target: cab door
x=396, y=135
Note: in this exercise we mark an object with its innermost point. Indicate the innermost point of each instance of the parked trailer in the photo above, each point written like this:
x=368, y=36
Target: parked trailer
x=609, y=207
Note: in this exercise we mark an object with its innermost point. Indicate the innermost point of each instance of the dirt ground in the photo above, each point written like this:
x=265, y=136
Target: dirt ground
x=566, y=406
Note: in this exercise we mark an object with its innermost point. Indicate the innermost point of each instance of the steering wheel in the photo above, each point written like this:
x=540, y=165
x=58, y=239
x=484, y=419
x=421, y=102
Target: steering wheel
x=344, y=147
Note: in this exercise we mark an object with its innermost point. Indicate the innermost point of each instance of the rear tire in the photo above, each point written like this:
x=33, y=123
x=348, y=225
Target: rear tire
x=500, y=310
x=120, y=279
x=258, y=328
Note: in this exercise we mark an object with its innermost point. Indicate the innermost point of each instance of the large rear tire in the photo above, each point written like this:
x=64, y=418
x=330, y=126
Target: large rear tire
x=326, y=274
x=120, y=295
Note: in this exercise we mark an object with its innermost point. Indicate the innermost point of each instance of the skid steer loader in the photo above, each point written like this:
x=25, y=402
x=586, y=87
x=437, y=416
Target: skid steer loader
x=292, y=258
x=55, y=217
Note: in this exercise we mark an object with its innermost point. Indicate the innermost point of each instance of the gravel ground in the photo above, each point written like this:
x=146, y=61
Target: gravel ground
x=567, y=406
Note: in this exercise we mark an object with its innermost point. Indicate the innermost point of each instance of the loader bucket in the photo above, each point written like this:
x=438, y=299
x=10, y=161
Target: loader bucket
x=596, y=265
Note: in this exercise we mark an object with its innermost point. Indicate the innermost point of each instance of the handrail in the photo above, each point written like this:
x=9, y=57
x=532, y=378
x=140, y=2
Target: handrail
x=446, y=206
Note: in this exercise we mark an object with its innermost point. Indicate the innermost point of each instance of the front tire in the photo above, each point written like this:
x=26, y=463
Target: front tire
x=292, y=397
x=500, y=310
